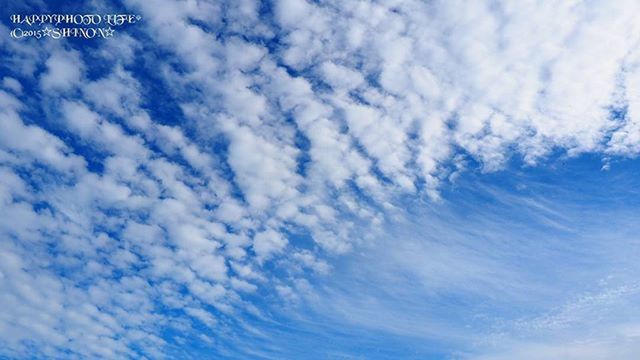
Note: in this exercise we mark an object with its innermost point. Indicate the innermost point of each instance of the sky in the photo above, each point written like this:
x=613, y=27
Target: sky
x=298, y=179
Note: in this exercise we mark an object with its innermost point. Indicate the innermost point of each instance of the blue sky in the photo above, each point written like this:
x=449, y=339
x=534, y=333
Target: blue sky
x=295, y=179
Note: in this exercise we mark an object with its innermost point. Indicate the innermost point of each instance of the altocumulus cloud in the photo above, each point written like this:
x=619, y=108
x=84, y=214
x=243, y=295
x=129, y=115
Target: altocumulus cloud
x=161, y=189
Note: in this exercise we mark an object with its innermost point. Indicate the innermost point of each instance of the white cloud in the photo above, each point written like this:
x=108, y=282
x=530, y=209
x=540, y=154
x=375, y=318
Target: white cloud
x=12, y=84
x=64, y=70
x=314, y=122
x=268, y=242
x=30, y=141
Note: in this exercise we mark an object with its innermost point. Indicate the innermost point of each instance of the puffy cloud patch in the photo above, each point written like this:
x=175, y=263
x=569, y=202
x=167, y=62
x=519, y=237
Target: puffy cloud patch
x=163, y=193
